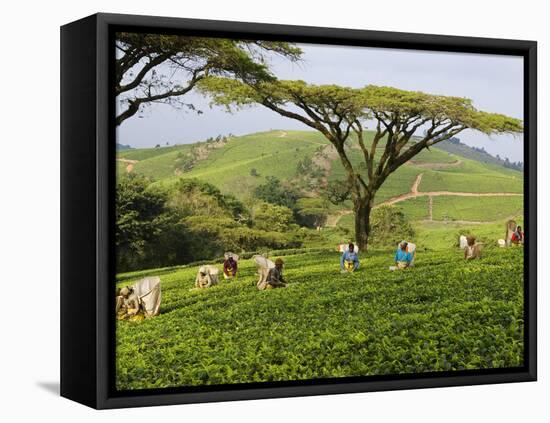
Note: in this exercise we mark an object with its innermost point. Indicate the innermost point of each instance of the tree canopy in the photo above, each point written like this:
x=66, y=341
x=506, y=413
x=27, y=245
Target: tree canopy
x=330, y=106
x=153, y=68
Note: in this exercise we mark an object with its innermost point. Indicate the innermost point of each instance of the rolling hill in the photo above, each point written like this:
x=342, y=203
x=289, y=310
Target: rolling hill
x=435, y=186
x=443, y=314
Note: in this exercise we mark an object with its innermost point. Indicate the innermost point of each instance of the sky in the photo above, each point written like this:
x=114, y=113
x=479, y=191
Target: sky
x=493, y=82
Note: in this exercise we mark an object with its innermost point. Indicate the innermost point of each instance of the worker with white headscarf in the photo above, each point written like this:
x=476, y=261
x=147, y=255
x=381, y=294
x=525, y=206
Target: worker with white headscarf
x=207, y=276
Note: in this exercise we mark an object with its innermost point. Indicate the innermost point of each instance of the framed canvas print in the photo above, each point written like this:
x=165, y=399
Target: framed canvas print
x=256, y=211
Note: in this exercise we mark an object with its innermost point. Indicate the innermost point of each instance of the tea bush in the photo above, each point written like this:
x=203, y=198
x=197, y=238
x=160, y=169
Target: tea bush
x=443, y=314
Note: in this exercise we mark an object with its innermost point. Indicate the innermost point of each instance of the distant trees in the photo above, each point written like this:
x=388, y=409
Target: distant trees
x=310, y=212
x=141, y=217
x=272, y=191
x=196, y=197
x=121, y=147
x=480, y=154
x=456, y=140
x=192, y=220
x=513, y=165
x=272, y=217
x=390, y=226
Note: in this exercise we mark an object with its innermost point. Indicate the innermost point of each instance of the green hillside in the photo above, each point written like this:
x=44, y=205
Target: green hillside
x=454, y=146
x=443, y=314
x=484, y=209
x=148, y=153
x=242, y=163
x=269, y=153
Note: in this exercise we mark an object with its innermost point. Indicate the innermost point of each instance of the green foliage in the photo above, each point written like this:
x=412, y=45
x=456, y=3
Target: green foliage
x=272, y=217
x=170, y=246
x=195, y=197
x=217, y=222
x=389, y=226
x=454, y=109
x=210, y=238
x=445, y=314
x=185, y=161
x=142, y=61
x=139, y=219
x=359, y=103
x=337, y=192
x=305, y=165
x=192, y=221
x=275, y=193
x=312, y=212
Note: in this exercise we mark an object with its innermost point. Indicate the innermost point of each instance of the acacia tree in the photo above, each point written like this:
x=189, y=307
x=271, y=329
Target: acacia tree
x=153, y=68
x=341, y=115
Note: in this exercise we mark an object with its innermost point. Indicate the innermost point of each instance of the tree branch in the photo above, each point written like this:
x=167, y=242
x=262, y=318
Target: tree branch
x=429, y=140
x=141, y=74
x=311, y=123
x=135, y=104
x=358, y=129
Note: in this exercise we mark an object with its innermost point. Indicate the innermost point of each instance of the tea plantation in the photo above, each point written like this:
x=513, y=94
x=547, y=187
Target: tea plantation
x=443, y=314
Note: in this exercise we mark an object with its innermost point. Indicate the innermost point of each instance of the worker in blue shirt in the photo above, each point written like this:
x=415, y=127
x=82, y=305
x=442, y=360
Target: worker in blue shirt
x=349, y=261
x=402, y=257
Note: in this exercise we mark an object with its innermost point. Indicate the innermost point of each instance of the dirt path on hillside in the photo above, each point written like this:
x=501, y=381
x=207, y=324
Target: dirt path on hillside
x=472, y=222
x=435, y=166
x=409, y=195
x=413, y=193
x=129, y=164
x=333, y=219
x=416, y=183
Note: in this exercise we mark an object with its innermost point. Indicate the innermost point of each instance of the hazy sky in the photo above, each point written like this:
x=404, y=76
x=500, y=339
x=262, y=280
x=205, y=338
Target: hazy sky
x=494, y=83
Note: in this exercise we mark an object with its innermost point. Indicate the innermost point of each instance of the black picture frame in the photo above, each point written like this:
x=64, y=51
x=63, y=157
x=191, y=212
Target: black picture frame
x=87, y=224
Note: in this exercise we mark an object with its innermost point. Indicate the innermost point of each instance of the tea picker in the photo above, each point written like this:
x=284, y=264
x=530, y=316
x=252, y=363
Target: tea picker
x=139, y=301
x=349, y=260
x=230, y=265
x=404, y=255
x=270, y=273
x=207, y=276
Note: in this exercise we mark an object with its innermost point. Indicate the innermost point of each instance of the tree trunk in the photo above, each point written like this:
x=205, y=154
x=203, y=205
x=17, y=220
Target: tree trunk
x=362, y=209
